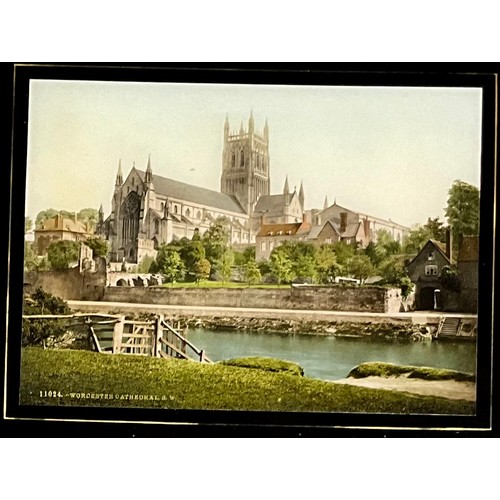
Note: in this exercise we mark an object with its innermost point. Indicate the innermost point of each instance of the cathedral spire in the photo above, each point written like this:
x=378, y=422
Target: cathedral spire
x=286, y=189
x=101, y=214
x=119, y=175
x=226, y=128
x=149, y=172
x=251, y=123
x=266, y=131
x=241, y=129
x=301, y=195
x=325, y=204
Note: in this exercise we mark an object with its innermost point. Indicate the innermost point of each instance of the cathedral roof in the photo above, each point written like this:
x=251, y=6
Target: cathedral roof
x=188, y=192
x=271, y=203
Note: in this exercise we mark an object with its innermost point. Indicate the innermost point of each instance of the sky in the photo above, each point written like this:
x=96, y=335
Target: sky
x=391, y=152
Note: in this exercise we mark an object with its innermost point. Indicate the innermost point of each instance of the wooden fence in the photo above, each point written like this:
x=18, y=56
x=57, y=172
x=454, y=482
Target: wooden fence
x=117, y=335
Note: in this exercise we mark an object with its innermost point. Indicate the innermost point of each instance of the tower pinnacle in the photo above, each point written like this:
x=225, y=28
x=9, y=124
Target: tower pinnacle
x=119, y=175
x=149, y=172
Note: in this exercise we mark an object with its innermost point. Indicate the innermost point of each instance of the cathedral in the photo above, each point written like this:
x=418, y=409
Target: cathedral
x=148, y=209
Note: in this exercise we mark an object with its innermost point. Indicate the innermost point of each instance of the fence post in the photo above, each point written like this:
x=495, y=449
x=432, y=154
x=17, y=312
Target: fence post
x=202, y=356
x=158, y=334
x=118, y=335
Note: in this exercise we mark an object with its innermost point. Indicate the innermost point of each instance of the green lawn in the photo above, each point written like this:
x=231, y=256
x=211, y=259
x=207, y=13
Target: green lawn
x=218, y=284
x=125, y=381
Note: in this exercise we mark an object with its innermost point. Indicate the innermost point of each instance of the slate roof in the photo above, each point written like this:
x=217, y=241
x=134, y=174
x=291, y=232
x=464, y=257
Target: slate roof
x=270, y=203
x=315, y=230
x=351, y=230
x=195, y=194
x=285, y=229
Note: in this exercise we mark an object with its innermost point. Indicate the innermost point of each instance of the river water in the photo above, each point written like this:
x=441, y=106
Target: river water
x=330, y=358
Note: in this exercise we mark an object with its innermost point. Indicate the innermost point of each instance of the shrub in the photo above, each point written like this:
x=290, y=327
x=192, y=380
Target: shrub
x=266, y=364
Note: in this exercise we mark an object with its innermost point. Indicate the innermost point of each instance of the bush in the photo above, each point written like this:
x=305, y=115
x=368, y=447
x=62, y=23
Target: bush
x=266, y=364
x=36, y=332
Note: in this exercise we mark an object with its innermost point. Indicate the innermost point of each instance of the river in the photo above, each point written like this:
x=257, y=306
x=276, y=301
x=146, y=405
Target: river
x=329, y=357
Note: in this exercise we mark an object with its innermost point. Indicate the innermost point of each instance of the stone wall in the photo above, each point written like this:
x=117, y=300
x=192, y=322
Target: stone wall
x=70, y=284
x=332, y=298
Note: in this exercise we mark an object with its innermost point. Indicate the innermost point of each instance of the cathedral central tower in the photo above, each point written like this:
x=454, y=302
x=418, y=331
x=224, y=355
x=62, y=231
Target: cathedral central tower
x=245, y=164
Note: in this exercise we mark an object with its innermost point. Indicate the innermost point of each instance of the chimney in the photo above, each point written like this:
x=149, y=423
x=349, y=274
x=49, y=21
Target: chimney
x=307, y=217
x=449, y=243
x=343, y=221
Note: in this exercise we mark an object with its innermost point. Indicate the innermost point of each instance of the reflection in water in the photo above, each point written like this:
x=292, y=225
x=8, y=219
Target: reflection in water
x=333, y=357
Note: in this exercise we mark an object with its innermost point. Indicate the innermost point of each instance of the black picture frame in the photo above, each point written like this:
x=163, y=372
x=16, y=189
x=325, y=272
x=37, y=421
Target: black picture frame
x=74, y=421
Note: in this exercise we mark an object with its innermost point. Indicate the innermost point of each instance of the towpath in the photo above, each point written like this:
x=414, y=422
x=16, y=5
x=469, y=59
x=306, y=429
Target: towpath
x=415, y=317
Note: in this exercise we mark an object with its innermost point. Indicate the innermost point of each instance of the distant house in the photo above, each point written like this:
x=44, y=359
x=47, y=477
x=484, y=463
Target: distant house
x=468, y=268
x=424, y=271
x=272, y=235
x=60, y=228
x=358, y=226
x=332, y=231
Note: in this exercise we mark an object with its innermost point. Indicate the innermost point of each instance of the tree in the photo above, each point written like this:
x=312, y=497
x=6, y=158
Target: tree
x=435, y=228
x=281, y=265
x=191, y=253
x=343, y=251
x=100, y=247
x=36, y=332
x=360, y=267
x=61, y=253
x=44, y=215
x=252, y=272
x=28, y=225
x=171, y=266
x=202, y=270
x=90, y=215
x=216, y=240
x=327, y=267
x=225, y=265
x=147, y=265
x=416, y=239
x=31, y=261
x=463, y=210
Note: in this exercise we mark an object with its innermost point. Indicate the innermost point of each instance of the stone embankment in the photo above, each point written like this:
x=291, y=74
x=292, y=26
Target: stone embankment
x=341, y=329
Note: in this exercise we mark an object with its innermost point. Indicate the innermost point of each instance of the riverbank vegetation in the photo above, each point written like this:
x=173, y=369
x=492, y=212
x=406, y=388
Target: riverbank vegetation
x=386, y=370
x=80, y=378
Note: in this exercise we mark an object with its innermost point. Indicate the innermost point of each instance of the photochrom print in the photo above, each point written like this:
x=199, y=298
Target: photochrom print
x=271, y=246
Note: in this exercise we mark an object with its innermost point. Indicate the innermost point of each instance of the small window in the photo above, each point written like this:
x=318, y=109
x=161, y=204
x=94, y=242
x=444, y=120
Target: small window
x=431, y=270
x=175, y=209
x=328, y=240
x=162, y=205
x=271, y=245
x=430, y=256
x=188, y=213
x=198, y=215
x=263, y=246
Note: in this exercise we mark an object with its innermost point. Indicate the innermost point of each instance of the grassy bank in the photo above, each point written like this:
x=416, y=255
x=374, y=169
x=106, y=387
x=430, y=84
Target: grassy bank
x=422, y=372
x=125, y=381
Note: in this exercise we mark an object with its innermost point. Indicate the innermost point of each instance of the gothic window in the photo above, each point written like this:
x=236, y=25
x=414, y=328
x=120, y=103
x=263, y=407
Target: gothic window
x=198, y=215
x=133, y=181
x=233, y=160
x=162, y=205
x=175, y=209
x=242, y=158
x=157, y=226
x=188, y=213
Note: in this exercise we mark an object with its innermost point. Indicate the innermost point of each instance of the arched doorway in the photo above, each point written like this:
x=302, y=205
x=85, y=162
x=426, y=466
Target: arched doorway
x=426, y=298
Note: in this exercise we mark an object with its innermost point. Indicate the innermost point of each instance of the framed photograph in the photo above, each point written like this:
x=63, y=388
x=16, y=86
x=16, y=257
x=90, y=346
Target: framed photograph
x=289, y=251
